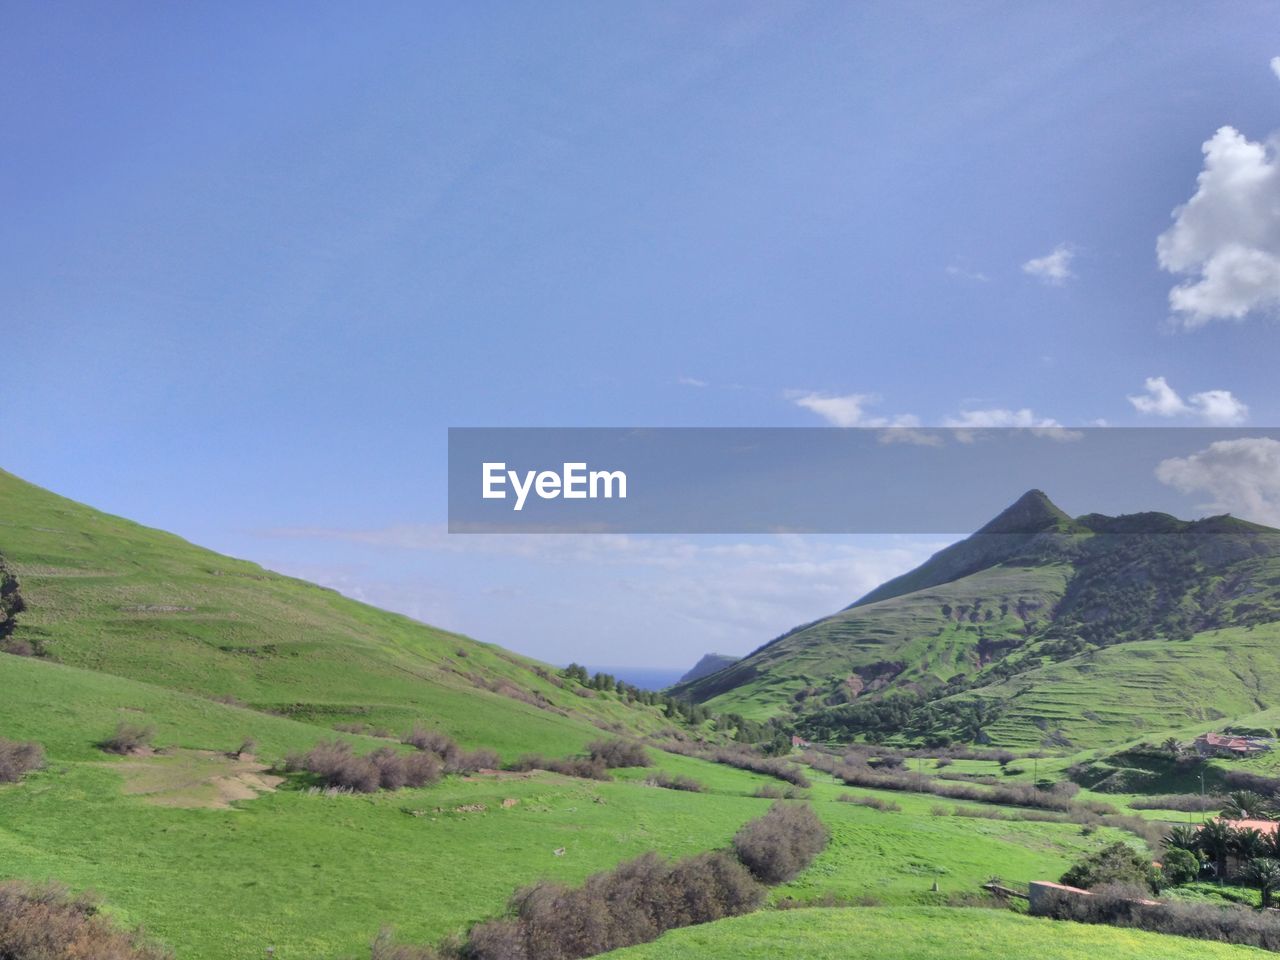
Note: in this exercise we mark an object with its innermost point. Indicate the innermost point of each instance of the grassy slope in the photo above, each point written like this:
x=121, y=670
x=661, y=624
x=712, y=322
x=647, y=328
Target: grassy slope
x=915, y=629
x=919, y=934
x=1144, y=689
x=111, y=596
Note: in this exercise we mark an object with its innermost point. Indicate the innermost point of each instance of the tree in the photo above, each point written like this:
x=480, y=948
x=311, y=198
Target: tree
x=1263, y=873
x=1172, y=746
x=1181, y=838
x=1117, y=863
x=1215, y=839
x=1247, y=805
x=1248, y=844
x=1181, y=866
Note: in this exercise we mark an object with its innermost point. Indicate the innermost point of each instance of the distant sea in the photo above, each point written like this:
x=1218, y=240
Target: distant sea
x=646, y=678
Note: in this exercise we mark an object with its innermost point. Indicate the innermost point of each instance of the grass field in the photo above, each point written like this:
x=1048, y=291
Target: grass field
x=218, y=857
x=919, y=933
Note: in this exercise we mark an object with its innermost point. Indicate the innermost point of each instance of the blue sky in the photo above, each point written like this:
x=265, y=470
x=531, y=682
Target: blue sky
x=256, y=258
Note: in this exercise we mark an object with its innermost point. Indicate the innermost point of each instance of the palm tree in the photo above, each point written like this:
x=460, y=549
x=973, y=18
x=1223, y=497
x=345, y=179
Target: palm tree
x=1263, y=873
x=1273, y=844
x=1182, y=838
x=1215, y=839
x=1248, y=844
x=1247, y=805
x=1172, y=746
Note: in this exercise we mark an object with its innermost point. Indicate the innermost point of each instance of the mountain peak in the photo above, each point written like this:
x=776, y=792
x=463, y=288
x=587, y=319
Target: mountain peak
x=1030, y=513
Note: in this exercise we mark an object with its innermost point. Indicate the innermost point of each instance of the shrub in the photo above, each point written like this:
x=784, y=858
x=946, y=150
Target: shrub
x=48, y=923
x=1203, y=921
x=633, y=903
x=582, y=767
x=432, y=741
x=247, y=748
x=1057, y=797
x=1117, y=863
x=678, y=782
x=128, y=738
x=1183, y=802
x=420, y=769
x=469, y=761
x=338, y=766
x=1180, y=866
x=18, y=759
x=619, y=753
x=780, y=844
x=866, y=800
x=743, y=758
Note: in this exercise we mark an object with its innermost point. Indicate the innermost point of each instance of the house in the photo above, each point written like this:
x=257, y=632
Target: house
x=1228, y=745
x=799, y=743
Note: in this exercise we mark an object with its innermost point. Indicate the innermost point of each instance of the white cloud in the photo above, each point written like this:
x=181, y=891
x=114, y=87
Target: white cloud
x=1275, y=66
x=692, y=382
x=962, y=273
x=1054, y=268
x=967, y=421
x=1218, y=407
x=1242, y=476
x=848, y=410
x=1226, y=238
x=998, y=417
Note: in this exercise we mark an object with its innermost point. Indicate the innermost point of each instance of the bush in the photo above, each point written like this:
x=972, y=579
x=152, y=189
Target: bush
x=866, y=800
x=1203, y=921
x=431, y=741
x=338, y=766
x=48, y=923
x=1180, y=866
x=1118, y=863
x=470, y=761
x=780, y=844
x=18, y=759
x=769, y=792
x=633, y=903
x=1183, y=802
x=1057, y=797
x=742, y=758
x=619, y=753
x=582, y=767
x=128, y=738
x=678, y=782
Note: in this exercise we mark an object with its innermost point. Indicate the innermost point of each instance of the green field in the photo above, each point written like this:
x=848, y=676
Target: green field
x=221, y=855
x=918, y=933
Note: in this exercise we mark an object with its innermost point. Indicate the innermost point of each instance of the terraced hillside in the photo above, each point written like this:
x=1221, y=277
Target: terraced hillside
x=1037, y=630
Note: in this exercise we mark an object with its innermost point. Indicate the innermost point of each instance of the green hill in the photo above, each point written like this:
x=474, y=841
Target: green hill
x=1037, y=630
x=707, y=665
x=108, y=595
x=919, y=933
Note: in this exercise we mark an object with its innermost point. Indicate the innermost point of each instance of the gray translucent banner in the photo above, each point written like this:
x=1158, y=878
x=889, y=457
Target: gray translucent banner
x=828, y=480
